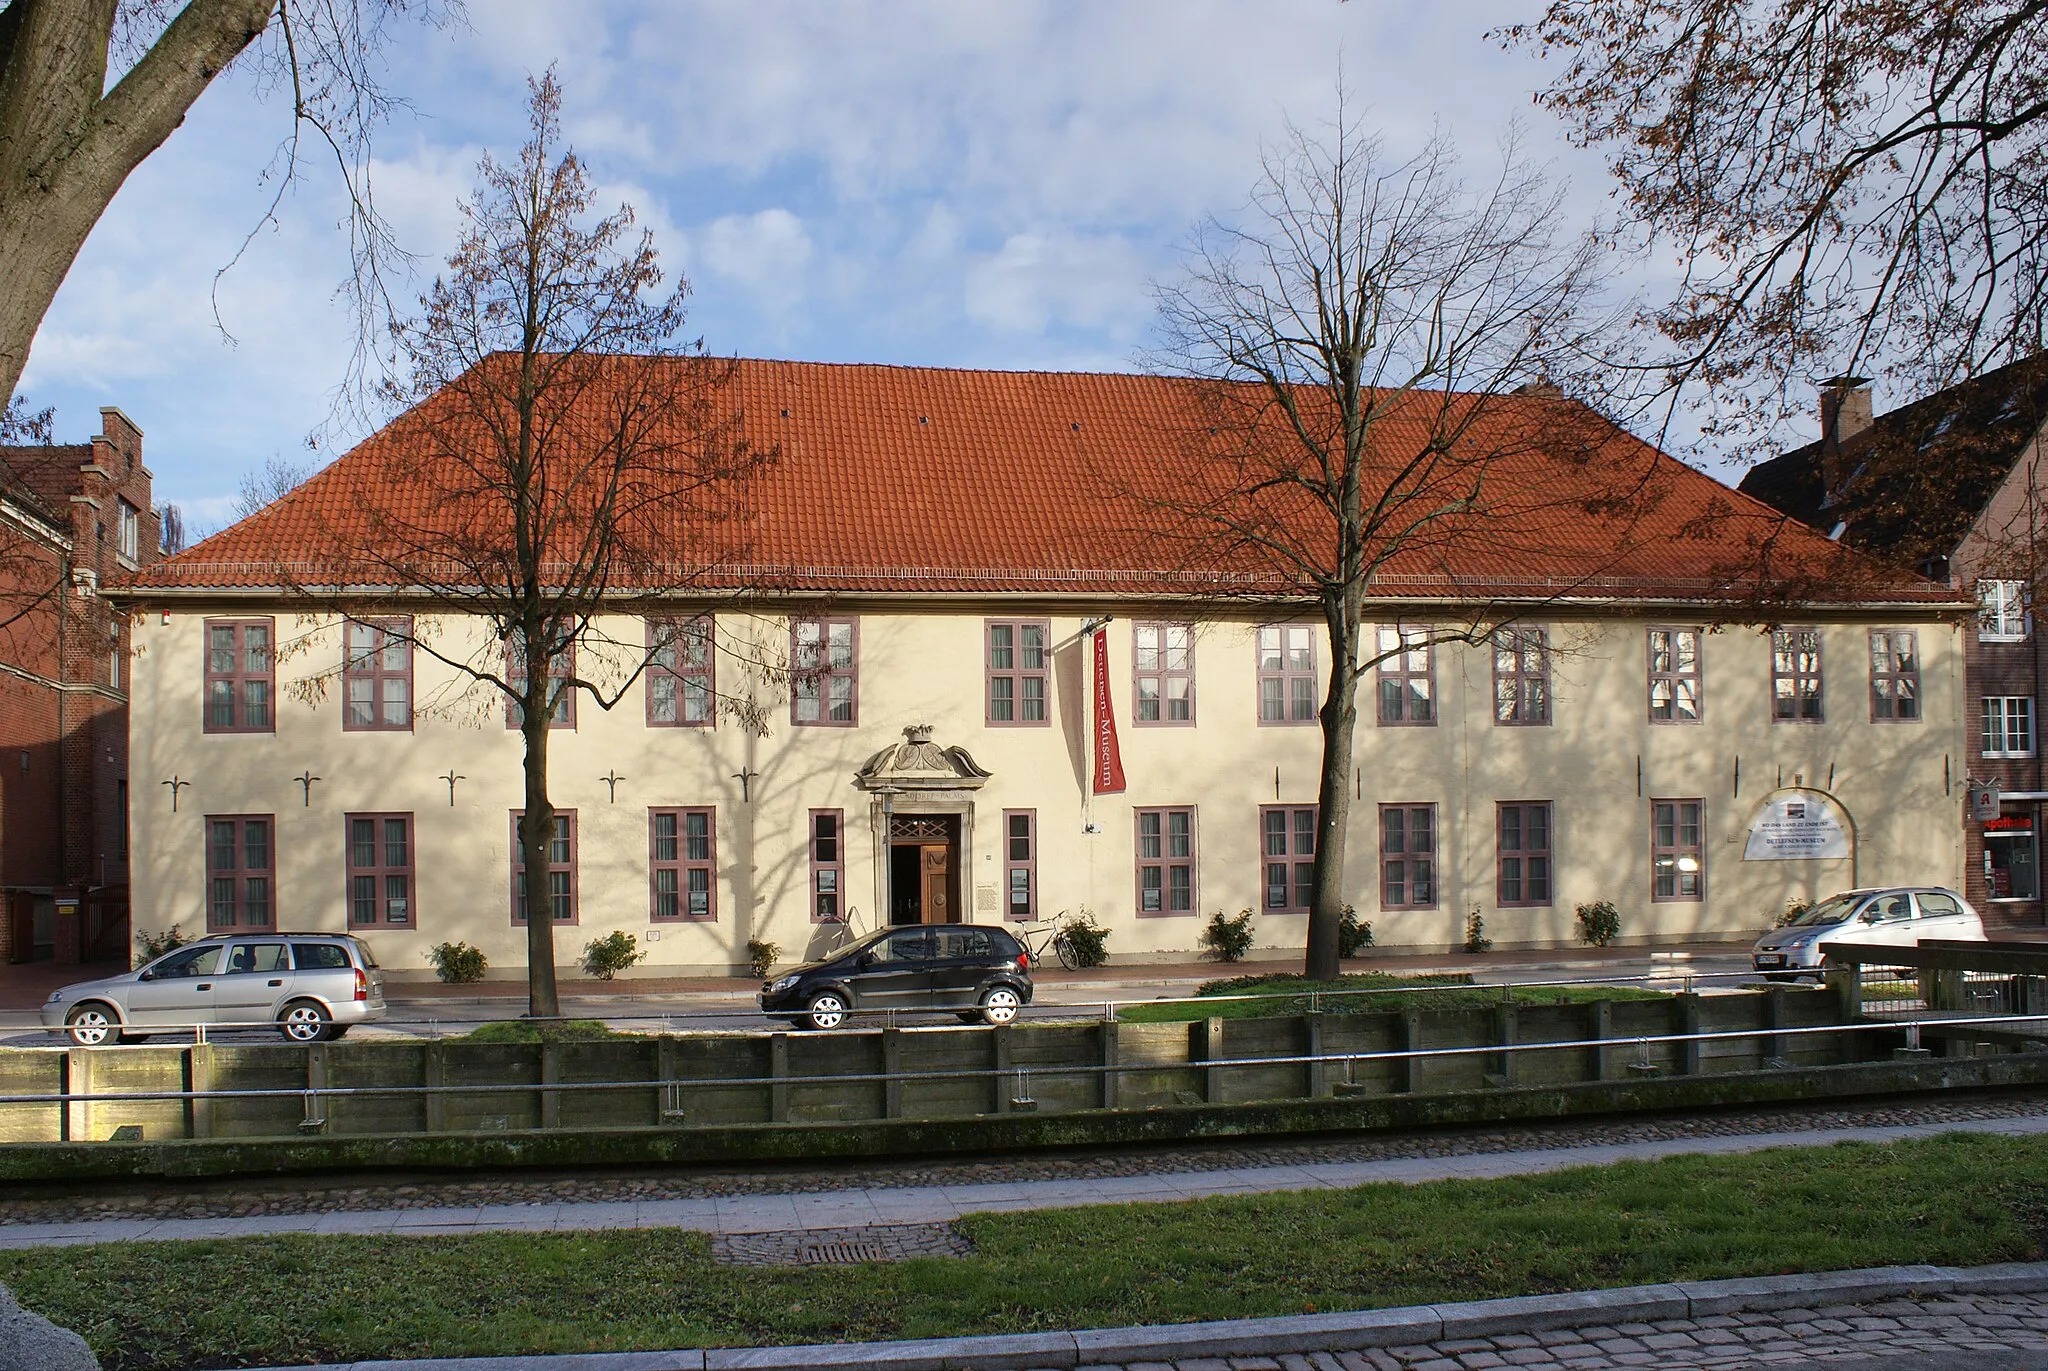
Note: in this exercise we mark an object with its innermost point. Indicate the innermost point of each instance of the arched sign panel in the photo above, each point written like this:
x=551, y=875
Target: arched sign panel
x=1794, y=825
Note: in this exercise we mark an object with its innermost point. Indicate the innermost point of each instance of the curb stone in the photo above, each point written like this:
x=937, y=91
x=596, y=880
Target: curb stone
x=1301, y=1334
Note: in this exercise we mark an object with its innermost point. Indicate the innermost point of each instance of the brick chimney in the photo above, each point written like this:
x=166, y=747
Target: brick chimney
x=1844, y=413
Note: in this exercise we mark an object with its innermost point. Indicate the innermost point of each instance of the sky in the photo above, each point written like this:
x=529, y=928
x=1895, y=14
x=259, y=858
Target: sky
x=932, y=182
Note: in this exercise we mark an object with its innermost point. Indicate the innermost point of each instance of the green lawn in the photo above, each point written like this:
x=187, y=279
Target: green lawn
x=175, y=1306
x=1369, y=992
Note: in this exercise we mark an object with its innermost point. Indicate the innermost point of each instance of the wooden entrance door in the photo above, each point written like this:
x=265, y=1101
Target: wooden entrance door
x=935, y=883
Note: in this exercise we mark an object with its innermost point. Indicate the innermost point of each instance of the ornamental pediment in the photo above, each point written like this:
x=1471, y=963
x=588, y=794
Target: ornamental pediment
x=918, y=763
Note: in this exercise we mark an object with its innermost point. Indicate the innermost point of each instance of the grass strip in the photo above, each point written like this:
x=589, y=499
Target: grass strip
x=1370, y=992
x=1960, y=1199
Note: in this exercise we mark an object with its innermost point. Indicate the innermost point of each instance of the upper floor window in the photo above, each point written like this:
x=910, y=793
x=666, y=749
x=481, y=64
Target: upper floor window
x=1674, y=675
x=1795, y=676
x=377, y=677
x=2001, y=611
x=823, y=664
x=2008, y=726
x=238, y=676
x=1016, y=671
x=561, y=872
x=1521, y=675
x=380, y=875
x=1407, y=673
x=1287, y=674
x=682, y=860
x=561, y=696
x=1164, y=658
x=1287, y=841
x=127, y=529
x=1894, y=674
x=679, y=672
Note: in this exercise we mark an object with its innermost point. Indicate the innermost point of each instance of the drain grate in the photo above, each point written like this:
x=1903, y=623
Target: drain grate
x=844, y=1253
x=839, y=1246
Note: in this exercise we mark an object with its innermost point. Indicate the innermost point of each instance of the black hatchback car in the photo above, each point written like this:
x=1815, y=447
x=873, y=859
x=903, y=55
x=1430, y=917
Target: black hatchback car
x=978, y=971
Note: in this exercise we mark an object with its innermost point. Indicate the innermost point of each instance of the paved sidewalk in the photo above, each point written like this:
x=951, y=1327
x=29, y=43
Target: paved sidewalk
x=901, y=1205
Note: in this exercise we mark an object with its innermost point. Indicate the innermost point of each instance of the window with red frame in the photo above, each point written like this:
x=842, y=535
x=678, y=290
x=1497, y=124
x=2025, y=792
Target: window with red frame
x=377, y=677
x=1407, y=856
x=1795, y=676
x=1287, y=673
x=826, y=683
x=1166, y=861
x=1163, y=656
x=1522, y=853
x=679, y=672
x=241, y=871
x=1287, y=839
x=239, y=682
x=1894, y=675
x=1017, y=671
x=1674, y=667
x=682, y=856
x=561, y=872
x=1020, y=864
x=561, y=698
x=1521, y=675
x=1677, y=856
x=828, y=867
x=380, y=870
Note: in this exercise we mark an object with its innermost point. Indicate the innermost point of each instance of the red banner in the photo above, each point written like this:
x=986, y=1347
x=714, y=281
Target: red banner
x=1109, y=762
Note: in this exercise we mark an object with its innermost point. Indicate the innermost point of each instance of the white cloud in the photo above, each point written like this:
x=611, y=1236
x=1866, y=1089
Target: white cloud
x=1036, y=281
x=767, y=254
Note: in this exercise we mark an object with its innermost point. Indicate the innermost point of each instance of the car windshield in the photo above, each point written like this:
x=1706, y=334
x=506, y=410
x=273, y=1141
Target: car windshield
x=1834, y=910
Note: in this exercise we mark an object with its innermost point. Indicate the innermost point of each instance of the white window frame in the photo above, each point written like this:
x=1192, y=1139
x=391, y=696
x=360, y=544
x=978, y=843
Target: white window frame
x=2008, y=726
x=2002, y=611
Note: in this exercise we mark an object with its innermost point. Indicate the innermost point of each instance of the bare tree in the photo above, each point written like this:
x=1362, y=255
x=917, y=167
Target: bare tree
x=1850, y=185
x=563, y=455
x=278, y=478
x=68, y=139
x=1359, y=337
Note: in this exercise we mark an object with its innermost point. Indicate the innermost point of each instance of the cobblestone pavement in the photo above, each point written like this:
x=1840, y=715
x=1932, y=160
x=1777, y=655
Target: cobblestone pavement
x=840, y=1246
x=242, y=1198
x=1972, y=1325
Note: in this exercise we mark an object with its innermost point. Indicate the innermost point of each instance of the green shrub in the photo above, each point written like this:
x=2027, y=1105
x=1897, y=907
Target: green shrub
x=606, y=957
x=457, y=963
x=1088, y=939
x=1353, y=933
x=149, y=946
x=552, y=1031
x=1228, y=938
x=1598, y=923
x=1475, y=933
x=762, y=956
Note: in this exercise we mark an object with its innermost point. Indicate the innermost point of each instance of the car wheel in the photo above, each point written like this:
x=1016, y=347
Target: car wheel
x=1000, y=1005
x=92, y=1025
x=827, y=1010
x=304, y=1022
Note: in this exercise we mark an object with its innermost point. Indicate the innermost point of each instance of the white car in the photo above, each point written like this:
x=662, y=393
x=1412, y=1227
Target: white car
x=1896, y=916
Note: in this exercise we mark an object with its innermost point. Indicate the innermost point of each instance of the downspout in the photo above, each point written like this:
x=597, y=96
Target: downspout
x=63, y=727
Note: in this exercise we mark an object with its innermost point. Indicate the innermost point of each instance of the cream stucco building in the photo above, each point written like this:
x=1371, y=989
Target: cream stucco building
x=1626, y=739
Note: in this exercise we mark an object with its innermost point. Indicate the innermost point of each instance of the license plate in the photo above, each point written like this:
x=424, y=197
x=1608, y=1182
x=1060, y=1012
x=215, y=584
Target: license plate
x=1770, y=960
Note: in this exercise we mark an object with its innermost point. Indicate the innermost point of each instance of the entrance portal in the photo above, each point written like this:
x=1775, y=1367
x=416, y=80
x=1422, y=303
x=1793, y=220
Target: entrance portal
x=924, y=869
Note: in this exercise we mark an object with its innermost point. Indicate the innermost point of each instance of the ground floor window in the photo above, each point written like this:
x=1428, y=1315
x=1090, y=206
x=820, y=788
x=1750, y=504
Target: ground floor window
x=826, y=866
x=1677, y=858
x=1020, y=864
x=2011, y=862
x=1166, y=861
x=380, y=870
x=1522, y=853
x=561, y=873
x=1407, y=856
x=1287, y=837
x=241, y=868
x=680, y=858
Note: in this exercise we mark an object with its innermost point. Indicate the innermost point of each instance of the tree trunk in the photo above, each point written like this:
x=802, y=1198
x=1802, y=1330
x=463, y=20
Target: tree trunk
x=536, y=833
x=1339, y=721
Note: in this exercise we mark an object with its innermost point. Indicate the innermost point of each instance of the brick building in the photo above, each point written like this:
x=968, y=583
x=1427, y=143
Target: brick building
x=74, y=519
x=1952, y=485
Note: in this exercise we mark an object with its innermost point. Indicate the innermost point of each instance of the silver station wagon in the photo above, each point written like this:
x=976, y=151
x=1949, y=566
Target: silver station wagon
x=311, y=987
x=1896, y=916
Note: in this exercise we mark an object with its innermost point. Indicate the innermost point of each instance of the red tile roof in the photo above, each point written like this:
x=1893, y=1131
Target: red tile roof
x=925, y=480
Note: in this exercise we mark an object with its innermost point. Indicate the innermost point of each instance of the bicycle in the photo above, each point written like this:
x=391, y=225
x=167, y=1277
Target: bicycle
x=1052, y=934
